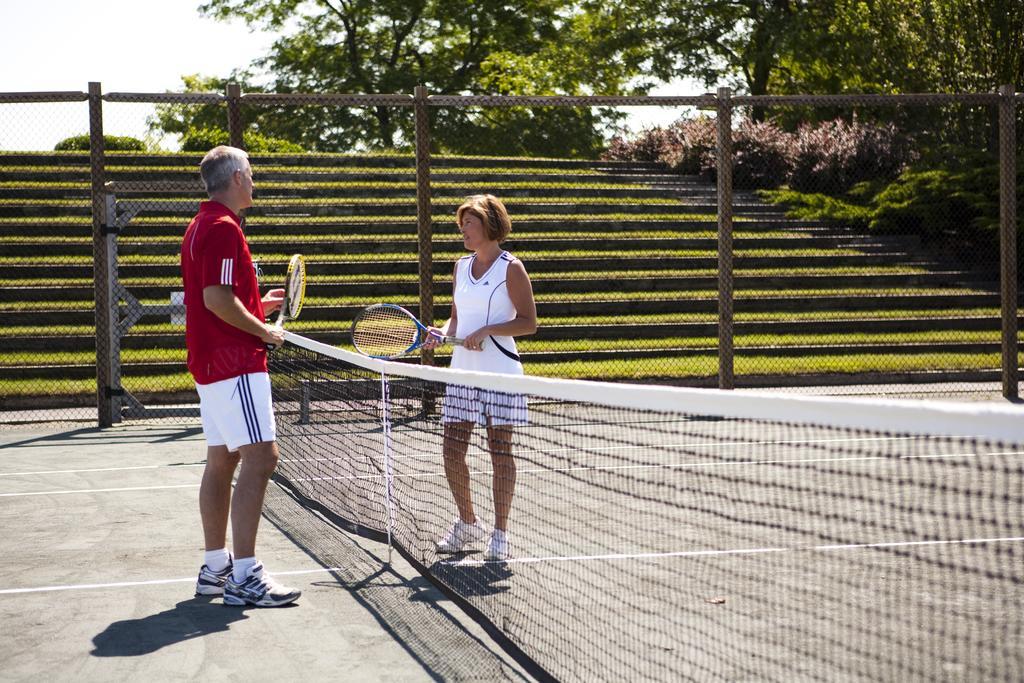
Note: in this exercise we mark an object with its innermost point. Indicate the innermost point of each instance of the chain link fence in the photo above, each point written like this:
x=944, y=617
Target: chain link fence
x=47, y=343
x=723, y=241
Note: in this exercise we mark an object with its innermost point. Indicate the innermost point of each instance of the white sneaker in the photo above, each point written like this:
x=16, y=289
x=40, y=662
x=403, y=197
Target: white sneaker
x=461, y=535
x=499, y=547
x=258, y=589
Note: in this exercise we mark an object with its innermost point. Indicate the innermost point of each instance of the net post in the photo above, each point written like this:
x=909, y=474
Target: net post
x=233, y=92
x=723, y=162
x=1008, y=238
x=424, y=217
x=102, y=286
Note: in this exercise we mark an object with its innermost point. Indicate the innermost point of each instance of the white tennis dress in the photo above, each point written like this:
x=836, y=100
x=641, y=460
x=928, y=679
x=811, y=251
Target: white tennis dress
x=479, y=302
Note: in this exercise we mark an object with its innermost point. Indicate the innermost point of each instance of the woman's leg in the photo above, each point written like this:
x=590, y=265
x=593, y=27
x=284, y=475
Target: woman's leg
x=456, y=471
x=499, y=442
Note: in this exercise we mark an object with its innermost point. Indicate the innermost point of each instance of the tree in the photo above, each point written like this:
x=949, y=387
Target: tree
x=718, y=40
x=450, y=46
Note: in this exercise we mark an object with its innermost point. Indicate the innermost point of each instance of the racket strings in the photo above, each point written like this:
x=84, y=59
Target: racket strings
x=296, y=289
x=384, y=332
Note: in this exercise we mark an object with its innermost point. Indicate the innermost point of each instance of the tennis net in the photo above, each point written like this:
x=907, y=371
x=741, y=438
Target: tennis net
x=662, y=533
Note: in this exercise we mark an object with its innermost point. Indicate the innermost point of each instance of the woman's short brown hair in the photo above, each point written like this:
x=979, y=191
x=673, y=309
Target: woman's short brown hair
x=491, y=212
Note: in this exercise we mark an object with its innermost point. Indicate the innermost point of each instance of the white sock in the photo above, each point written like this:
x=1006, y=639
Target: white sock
x=242, y=566
x=216, y=560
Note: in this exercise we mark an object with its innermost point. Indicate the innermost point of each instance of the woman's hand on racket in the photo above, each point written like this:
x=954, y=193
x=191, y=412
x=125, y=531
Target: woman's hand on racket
x=475, y=341
x=272, y=300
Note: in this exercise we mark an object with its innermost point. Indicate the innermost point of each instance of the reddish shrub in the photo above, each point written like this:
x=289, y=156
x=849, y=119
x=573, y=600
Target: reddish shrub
x=833, y=156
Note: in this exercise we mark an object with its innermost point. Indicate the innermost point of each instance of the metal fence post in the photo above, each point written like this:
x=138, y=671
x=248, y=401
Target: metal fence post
x=424, y=215
x=723, y=161
x=234, y=97
x=106, y=308
x=1008, y=237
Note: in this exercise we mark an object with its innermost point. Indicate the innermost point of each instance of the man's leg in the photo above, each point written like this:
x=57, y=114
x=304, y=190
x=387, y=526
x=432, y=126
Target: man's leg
x=250, y=584
x=258, y=463
x=215, y=495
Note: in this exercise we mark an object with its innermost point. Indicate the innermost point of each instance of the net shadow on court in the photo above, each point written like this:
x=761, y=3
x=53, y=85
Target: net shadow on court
x=661, y=535
x=405, y=605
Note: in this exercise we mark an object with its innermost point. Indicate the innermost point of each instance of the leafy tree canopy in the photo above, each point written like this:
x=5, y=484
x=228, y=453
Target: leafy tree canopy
x=528, y=47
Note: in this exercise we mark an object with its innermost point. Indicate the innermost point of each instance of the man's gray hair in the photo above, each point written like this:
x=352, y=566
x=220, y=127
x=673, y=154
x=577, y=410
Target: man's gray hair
x=219, y=164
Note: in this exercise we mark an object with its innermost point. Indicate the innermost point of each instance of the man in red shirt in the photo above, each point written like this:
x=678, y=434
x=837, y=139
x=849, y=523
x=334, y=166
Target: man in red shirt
x=227, y=337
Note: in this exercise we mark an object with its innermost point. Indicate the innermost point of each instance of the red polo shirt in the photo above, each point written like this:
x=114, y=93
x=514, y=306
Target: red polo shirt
x=214, y=252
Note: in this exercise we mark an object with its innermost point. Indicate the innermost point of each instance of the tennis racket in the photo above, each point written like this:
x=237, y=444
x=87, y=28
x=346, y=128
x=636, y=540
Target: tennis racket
x=294, y=290
x=390, y=331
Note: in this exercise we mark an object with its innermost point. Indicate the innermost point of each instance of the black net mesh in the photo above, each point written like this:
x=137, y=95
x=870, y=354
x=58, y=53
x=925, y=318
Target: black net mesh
x=675, y=542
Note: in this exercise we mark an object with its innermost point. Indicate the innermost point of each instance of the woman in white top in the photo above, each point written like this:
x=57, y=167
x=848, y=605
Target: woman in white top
x=493, y=303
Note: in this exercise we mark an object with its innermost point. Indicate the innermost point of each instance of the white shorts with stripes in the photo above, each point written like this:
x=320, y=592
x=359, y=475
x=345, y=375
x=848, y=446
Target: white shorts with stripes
x=484, y=407
x=237, y=411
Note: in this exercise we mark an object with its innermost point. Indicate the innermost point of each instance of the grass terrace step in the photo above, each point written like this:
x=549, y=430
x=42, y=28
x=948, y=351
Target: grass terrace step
x=962, y=329
x=623, y=258
x=373, y=205
x=612, y=303
x=167, y=266
x=326, y=160
x=523, y=240
x=865, y=277
x=965, y=354
x=444, y=225
x=525, y=248
x=321, y=287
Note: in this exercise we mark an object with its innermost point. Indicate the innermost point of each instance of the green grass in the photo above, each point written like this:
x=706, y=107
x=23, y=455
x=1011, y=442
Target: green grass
x=776, y=316
x=741, y=342
x=706, y=366
x=376, y=201
x=653, y=368
x=606, y=295
x=451, y=256
x=445, y=277
x=469, y=171
x=181, y=381
x=659, y=224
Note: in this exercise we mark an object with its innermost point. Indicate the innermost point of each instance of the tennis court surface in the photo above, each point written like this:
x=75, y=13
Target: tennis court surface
x=658, y=534
x=669, y=534
x=101, y=542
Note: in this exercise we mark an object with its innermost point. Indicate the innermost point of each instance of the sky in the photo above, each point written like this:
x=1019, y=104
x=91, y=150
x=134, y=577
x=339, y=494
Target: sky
x=127, y=46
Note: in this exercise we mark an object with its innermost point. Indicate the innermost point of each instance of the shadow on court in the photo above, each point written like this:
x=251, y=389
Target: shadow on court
x=475, y=580
x=405, y=605
x=96, y=436
x=111, y=517
x=188, y=619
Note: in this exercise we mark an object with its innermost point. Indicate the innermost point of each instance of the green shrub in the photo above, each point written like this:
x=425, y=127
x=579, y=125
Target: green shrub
x=112, y=143
x=817, y=206
x=205, y=139
x=957, y=206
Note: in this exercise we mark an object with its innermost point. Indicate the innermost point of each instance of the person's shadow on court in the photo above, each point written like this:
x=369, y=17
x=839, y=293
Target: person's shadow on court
x=188, y=619
x=469, y=579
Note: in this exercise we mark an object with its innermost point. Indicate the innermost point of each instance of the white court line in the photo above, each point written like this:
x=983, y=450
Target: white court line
x=153, y=582
x=108, y=490
x=621, y=448
x=101, y=469
x=550, y=451
x=543, y=470
x=690, y=465
x=738, y=551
